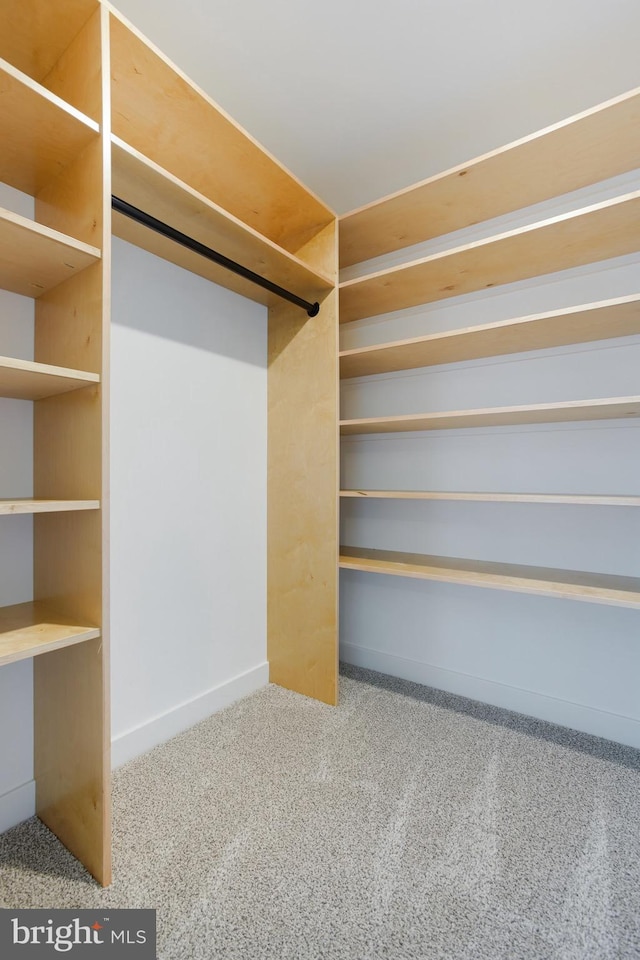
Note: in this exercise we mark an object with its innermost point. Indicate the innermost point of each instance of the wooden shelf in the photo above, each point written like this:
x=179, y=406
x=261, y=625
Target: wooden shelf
x=34, y=33
x=10, y=507
x=35, y=258
x=572, y=410
x=543, y=581
x=144, y=184
x=583, y=324
x=201, y=145
x=591, y=146
x=599, y=232
x=580, y=499
x=28, y=380
x=40, y=133
x=29, y=629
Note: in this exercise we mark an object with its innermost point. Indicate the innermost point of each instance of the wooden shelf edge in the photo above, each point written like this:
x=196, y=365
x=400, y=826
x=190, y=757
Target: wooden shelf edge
x=585, y=323
x=519, y=578
x=26, y=505
x=490, y=497
x=31, y=629
x=35, y=258
x=30, y=380
x=569, y=411
x=156, y=192
x=586, y=148
x=593, y=233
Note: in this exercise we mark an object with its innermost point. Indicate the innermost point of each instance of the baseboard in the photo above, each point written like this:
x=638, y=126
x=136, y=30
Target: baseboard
x=17, y=805
x=600, y=723
x=159, y=729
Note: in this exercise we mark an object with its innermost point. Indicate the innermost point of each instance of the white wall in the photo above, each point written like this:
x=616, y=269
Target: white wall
x=188, y=499
x=570, y=662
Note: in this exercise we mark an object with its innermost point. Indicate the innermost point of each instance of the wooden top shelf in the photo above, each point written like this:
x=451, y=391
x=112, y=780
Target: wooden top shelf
x=35, y=33
x=28, y=380
x=40, y=133
x=147, y=186
x=599, y=232
x=544, y=581
x=11, y=507
x=163, y=115
x=593, y=321
x=29, y=629
x=580, y=499
x=591, y=146
x=572, y=410
x=35, y=258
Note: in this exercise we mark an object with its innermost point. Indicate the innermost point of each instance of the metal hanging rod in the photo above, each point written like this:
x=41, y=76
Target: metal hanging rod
x=166, y=231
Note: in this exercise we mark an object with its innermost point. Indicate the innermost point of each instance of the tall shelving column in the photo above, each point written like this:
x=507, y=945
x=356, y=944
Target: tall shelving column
x=179, y=157
x=55, y=55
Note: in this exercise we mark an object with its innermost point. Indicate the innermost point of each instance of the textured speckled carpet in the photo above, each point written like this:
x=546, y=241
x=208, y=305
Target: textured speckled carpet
x=407, y=823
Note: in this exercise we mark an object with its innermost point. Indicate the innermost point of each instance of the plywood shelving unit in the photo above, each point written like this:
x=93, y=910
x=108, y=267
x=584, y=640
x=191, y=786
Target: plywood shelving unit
x=52, y=122
x=593, y=146
x=89, y=109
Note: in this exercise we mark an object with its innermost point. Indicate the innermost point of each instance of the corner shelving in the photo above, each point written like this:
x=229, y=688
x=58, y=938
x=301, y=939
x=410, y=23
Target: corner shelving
x=605, y=319
x=592, y=146
x=35, y=258
x=143, y=183
x=40, y=133
x=543, y=581
x=31, y=629
x=579, y=499
x=598, y=232
x=569, y=411
x=28, y=380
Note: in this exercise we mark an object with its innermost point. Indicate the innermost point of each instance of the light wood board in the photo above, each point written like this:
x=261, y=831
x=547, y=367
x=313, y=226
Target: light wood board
x=26, y=380
x=30, y=629
x=35, y=33
x=583, y=324
x=201, y=145
x=598, y=232
x=571, y=410
x=591, y=146
x=302, y=514
x=144, y=184
x=34, y=258
x=579, y=499
x=8, y=507
x=544, y=581
x=40, y=134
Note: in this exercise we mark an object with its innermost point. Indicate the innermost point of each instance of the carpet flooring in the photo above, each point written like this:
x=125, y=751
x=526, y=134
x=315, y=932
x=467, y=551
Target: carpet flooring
x=406, y=824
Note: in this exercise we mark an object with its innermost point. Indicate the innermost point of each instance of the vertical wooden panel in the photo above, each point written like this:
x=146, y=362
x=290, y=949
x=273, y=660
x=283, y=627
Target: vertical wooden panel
x=75, y=77
x=72, y=728
x=302, y=500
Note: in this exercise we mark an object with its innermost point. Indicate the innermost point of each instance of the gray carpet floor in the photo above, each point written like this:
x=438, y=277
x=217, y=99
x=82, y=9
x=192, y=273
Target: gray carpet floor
x=407, y=823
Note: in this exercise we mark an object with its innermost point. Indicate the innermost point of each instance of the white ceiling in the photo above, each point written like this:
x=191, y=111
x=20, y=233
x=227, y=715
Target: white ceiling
x=361, y=98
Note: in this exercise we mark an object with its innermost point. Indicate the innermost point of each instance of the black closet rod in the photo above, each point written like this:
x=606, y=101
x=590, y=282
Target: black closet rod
x=163, y=228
